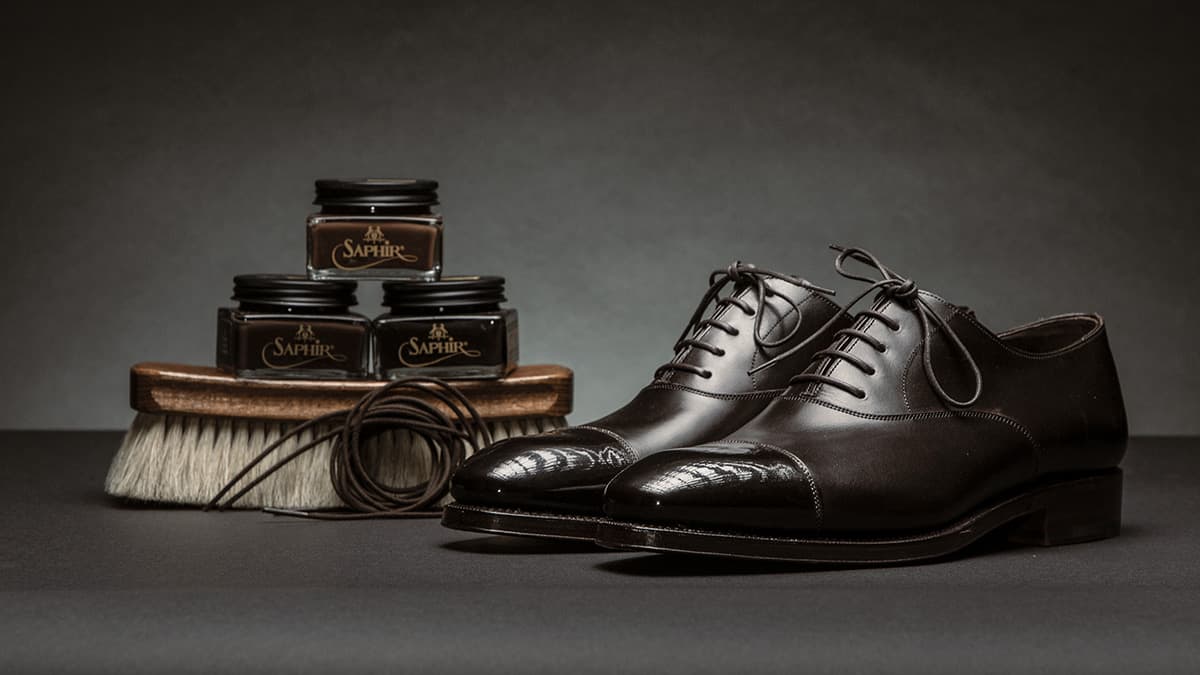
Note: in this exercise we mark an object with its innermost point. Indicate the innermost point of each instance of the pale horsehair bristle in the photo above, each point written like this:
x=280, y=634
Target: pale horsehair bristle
x=186, y=459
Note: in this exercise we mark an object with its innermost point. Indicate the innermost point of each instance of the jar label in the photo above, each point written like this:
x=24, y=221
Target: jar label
x=355, y=246
x=438, y=346
x=374, y=247
x=280, y=344
x=301, y=349
x=426, y=343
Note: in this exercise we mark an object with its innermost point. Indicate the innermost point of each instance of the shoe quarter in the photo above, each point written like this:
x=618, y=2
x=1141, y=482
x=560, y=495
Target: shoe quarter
x=1069, y=400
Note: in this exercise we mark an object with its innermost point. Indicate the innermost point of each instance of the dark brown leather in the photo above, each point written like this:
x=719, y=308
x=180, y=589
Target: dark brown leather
x=566, y=470
x=821, y=459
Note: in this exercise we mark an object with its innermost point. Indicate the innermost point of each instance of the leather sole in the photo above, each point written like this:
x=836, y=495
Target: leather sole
x=496, y=520
x=1050, y=514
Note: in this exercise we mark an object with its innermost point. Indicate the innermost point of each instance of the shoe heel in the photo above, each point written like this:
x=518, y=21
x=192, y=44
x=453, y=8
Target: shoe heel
x=1071, y=512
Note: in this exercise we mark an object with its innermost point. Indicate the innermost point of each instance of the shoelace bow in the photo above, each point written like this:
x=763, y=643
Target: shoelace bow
x=906, y=295
x=736, y=272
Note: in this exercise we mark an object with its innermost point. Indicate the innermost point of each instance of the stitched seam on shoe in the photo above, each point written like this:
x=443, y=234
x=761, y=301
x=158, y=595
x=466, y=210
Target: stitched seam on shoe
x=686, y=352
x=765, y=393
x=813, y=387
x=957, y=526
x=522, y=512
x=827, y=301
x=1099, y=328
x=850, y=344
x=904, y=378
x=754, y=354
x=630, y=453
x=936, y=414
x=969, y=318
x=808, y=476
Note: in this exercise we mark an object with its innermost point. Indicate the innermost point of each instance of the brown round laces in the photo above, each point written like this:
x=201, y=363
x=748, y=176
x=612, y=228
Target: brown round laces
x=907, y=296
x=404, y=404
x=737, y=273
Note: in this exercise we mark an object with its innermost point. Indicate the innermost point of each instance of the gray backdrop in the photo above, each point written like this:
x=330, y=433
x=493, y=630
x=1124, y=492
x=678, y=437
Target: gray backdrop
x=1023, y=160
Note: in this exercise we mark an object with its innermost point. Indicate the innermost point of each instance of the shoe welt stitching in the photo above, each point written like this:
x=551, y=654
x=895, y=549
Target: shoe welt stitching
x=632, y=455
x=522, y=512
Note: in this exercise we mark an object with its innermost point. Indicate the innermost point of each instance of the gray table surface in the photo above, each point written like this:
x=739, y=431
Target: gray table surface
x=88, y=585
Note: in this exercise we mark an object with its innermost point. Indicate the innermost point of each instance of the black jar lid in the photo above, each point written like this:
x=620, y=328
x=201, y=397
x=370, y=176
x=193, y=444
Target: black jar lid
x=456, y=291
x=293, y=290
x=376, y=192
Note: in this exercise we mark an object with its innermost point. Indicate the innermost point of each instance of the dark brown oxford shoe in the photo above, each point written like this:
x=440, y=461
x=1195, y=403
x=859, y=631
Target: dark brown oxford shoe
x=552, y=484
x=916, y=432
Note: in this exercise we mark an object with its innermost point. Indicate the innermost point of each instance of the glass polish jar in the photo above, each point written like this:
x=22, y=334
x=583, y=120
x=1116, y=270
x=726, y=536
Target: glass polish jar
x=289, y=326
x=375, y=228
x=452, y=328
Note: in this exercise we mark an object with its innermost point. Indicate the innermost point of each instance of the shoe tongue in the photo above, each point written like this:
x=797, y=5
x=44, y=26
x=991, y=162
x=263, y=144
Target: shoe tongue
x=939, y=305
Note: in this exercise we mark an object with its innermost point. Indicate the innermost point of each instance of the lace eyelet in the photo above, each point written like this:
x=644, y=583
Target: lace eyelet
x=882, y=349
x=860, y=395
x=707, y=374
x=871, y=372
x=736, y=332
x=720, y=352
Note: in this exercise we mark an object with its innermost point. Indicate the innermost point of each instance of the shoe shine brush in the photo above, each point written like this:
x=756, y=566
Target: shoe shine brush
x=196, y=427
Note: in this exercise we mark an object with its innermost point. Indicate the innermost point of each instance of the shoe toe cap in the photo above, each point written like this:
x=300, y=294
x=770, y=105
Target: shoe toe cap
x=561, y=470
x=715, y=487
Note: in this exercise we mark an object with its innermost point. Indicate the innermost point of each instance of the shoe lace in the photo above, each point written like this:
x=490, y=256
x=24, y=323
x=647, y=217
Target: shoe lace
x=906, y=295
x=736, y=273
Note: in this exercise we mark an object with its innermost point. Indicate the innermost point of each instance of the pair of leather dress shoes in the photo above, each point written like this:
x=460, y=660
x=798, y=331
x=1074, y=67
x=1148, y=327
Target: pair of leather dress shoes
x=787, y=428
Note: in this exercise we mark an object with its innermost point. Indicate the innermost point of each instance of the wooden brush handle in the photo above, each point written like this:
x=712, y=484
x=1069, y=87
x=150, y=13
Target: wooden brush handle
x=171, y=388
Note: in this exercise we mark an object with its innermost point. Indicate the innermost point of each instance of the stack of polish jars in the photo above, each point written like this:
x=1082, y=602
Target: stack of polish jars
x=386, y=230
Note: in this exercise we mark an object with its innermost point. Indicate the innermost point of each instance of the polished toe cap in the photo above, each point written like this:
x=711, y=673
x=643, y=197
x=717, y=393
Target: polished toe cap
x=740, y=486
x=564, y=470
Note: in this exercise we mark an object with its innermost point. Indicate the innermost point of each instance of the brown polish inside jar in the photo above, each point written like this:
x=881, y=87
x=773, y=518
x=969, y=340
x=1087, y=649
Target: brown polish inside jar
x=288, y=326
x=453, y=328
x=375, y=229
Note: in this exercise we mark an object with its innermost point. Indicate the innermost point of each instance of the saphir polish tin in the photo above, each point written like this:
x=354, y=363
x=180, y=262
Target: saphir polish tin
x=375, y=228
x=452, y=328
x=289, y=326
